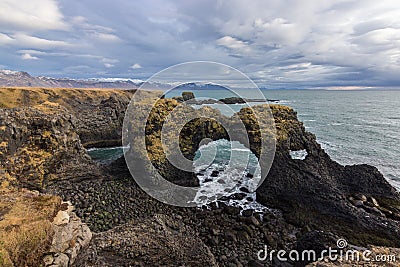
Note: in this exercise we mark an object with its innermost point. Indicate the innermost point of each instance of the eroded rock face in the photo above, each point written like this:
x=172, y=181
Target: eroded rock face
x=71, y=236
x=40, y=146
x=160, y=240
x=168, y=122
x=98, y=113
x=39, y=230
x=189, y=138
x=100, y=125
x=313, y=193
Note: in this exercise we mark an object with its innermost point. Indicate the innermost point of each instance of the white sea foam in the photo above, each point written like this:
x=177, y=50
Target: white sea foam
x=233, y=186
x=299, y=154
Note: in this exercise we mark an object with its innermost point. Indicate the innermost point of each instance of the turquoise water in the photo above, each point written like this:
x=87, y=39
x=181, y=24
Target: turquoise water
x=105, y=155
x=354, y=127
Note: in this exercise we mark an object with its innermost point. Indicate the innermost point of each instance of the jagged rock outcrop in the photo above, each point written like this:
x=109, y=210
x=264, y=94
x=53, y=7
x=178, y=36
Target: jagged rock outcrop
x=137, y=121
x=187, y=96
x=40, y=146
x=70, y=237
x=160, y=240
x=100, y=125
x=97, y=113
x=39, y=230
x=313, y=193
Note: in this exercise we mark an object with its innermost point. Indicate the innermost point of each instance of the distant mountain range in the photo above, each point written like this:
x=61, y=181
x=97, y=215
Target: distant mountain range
x=24, y=79
x=10, y=78
x=200, y=86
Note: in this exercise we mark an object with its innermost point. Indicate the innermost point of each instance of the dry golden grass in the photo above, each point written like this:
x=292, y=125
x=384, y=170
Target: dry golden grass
x=25, y=227
x=11, y=97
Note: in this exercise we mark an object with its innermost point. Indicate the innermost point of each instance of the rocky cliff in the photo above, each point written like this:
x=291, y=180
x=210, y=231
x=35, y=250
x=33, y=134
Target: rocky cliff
x=97, y=113
x=40, y=145
x=355, y=202
x=316, y=193
x=43, y=133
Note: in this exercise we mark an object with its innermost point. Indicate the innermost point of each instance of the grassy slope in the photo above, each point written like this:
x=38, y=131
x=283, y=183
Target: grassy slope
x=11, y=97
x=25, y=226
x=25, y=217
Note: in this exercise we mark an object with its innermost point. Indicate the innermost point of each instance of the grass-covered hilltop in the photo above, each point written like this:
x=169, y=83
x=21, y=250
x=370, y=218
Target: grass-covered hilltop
x=60, y=208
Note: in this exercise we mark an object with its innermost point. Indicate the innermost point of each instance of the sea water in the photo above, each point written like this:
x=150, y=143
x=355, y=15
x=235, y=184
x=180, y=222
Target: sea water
x=354, y=127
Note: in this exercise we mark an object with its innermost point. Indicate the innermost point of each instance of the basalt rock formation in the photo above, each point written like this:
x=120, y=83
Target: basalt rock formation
x=100, y=125
x=158, y=239
x=43, y=134
x=319, y=194
x=97, y=114
x=315, y=193
x=40, y=146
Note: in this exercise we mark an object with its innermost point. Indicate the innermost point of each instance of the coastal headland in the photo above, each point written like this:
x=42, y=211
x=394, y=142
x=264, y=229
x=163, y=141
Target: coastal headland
x=96, y=215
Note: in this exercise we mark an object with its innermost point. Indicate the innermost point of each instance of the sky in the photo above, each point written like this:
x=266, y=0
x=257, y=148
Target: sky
x=277, y=43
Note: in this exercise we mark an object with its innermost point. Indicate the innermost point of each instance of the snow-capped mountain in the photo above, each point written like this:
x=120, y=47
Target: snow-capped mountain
x=11, y=78
x=24, y=79
x=200, y=86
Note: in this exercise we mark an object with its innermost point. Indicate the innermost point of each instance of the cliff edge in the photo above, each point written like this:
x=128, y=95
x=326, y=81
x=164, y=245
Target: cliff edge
x=44, y=133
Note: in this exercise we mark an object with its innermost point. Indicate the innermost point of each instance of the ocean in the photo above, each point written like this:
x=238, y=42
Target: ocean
x=353, y=127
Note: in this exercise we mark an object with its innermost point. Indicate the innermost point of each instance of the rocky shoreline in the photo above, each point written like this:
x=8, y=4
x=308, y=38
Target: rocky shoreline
x=119, y=202
x=313, y=201
x=190, y=98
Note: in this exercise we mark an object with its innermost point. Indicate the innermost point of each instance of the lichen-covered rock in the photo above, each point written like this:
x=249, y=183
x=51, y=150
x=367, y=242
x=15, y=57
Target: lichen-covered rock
x=187, y=96
x=98, y=113
x=40, y=146
x=172, y=129
x=31, y=235
x=159, y=150
x=311, y=192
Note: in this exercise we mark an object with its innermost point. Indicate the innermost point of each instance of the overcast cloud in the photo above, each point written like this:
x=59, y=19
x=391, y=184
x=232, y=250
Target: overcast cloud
x=278, y=43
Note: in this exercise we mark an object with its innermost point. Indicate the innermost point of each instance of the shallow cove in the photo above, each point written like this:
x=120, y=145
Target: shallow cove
x=241, y=195
x=105, y=155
